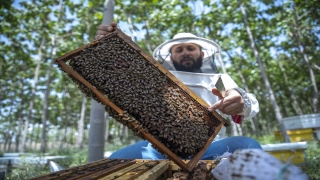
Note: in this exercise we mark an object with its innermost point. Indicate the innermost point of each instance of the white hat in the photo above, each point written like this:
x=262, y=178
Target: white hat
x=209, y=47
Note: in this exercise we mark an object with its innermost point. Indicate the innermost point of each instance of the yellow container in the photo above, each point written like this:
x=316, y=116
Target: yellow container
x=297, y=135
x=294, y=156
x=300, y=135
x=288, y=152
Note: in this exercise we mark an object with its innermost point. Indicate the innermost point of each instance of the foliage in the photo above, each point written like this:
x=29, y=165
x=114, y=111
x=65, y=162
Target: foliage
x=312, y=157
x=25, y=170
x=266, y=139
x=28, y=28
x=74, y=157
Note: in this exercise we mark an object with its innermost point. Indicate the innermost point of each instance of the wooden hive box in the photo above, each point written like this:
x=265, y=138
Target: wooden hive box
x=140, y=93
x=117, y=169
x=293, y=152
x=296, y=135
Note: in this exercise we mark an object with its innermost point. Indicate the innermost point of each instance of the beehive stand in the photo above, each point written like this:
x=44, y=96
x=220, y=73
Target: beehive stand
x=165, y=107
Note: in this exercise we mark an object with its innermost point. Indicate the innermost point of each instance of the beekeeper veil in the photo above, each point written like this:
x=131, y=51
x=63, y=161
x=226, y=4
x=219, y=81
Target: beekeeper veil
x=211, y=51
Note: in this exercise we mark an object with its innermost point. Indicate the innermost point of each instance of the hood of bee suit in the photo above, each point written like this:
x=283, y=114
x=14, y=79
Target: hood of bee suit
x=209, y=47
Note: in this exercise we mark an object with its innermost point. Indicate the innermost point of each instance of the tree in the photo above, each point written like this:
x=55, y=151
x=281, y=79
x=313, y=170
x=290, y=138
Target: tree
x=302, y=47
x=31, y=102
x=81, y=123
x=35, y=91
x=263, y=74
x=52, y=55
x=97, y=120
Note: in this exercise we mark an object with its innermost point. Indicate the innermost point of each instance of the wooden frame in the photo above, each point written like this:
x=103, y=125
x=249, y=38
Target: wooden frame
x=104, y=100
x=129, y=169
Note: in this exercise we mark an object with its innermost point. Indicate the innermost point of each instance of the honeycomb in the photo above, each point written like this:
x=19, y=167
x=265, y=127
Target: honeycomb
x=147, y=95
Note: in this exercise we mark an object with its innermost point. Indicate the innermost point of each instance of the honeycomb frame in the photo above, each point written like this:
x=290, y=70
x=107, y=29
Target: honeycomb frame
x=213, y=119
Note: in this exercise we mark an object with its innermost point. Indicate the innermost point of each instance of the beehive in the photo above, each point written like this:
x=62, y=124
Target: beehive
x=125, y=169
x=293, y=152
x=296, y=135
x=143, y=95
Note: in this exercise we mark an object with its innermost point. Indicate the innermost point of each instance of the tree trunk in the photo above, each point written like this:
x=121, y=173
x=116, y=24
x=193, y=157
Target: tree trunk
x=63, y=135
x=97, y=121
x=295, y=103
x=96, y=131
x=285, y=107
x=121, y=131
x=268, y=128
x=44, y=116
x=107, y=127
x=63, y=138
x=119, y=127
x=81, y=123
x=10, y=142
x=56, y=139
x=263, y=74
x=32, y=96
x=20, y=117
x=301, y=46
x=223, y=68
x=148, y=37
x=131, y=28
x=126, y=132
x=37, y=137
x=5, y=142
x=71, y=139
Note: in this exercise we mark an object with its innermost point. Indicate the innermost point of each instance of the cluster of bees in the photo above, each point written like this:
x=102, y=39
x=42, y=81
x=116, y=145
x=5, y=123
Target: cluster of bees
x=145, y=94
x=200, y=171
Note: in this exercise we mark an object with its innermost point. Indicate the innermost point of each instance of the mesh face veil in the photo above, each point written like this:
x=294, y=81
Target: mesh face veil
x=210, y=48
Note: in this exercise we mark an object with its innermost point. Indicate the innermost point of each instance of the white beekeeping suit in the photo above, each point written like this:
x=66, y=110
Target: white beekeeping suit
x=203, y=82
